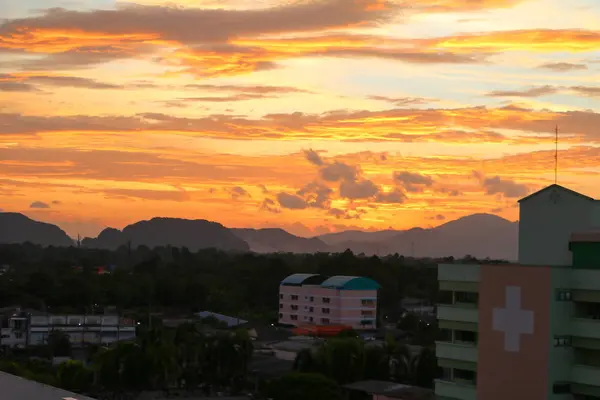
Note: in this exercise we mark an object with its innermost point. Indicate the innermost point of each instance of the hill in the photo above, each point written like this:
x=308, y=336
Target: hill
x=274, y=240
x=193, y=234
x=18, y=228
x=480, y=235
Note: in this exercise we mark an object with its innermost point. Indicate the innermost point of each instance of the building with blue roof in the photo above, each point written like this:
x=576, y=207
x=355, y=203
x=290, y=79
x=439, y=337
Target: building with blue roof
x=313, y=299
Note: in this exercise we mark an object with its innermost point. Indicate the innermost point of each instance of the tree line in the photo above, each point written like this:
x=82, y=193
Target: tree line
x=195, y=360
x=245, y=285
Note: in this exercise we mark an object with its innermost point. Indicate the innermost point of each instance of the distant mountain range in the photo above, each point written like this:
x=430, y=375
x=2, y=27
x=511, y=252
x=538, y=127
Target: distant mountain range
x=480, y=235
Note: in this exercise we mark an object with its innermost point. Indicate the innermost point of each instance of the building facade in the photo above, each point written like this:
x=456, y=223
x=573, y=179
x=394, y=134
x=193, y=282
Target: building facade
x=310, y=299
x=529, y=330
x=21, y=329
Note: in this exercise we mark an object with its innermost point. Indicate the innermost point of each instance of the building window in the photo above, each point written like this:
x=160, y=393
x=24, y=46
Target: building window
x=325, y=310
x=294, y=307
x=18, y=335
x=563, y=295
x=562, y=341
x=463, y=375
x=466, y=297
x=312, y=298
x=293, y=297
x=324, y=321
x=311, y=309
x=465, y=336
x=280, y=315
x=281, y=296
x=326, y=300
x=367, y=313
x=310, y=319
x=281, y=306
x=367, y=303
x=294, y=317
x=561, y=388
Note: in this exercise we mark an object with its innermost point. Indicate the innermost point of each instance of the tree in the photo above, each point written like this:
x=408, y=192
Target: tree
x=59, y=344
x=74, y=376
x=425, y=368
x=302, y=386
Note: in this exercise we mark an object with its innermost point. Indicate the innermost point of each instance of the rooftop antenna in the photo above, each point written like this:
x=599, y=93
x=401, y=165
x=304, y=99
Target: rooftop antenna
x=556, y=155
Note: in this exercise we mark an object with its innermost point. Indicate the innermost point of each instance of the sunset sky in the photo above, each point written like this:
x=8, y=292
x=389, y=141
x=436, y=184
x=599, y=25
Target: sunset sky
x=311, y=115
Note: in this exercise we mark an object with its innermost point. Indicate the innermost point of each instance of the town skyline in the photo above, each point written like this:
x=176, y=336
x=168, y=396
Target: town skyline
x=374, y=115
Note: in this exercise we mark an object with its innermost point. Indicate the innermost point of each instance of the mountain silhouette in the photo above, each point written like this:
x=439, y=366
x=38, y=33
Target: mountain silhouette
x=194, y=234
x=273, y=240
x=18, y=228
x=478, y=235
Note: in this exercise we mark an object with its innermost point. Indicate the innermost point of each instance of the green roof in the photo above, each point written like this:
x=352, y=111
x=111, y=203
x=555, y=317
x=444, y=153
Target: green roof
x=342, y=282
x=296, y=279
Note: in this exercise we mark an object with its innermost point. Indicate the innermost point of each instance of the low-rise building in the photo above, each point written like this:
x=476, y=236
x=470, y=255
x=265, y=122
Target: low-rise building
x=311, y=299
x=22, y=329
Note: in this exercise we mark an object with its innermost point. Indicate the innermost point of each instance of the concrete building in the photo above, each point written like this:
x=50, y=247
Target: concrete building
x=21, y=329
x=310, y=299
x=529, y=330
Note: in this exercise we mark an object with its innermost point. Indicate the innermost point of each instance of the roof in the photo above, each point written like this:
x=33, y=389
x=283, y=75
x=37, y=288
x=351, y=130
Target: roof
x=555, y=186
x=392, y=390
x=343, y=282
x=17, y=388
x=585, y=237
x=297, y=279
x=230, y=321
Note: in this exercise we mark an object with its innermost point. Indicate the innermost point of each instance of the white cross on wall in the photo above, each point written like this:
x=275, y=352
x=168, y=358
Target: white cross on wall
x=512, y=320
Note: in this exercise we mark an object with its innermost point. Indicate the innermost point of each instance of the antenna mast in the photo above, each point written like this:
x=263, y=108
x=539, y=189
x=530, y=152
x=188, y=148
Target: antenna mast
x=556, y=155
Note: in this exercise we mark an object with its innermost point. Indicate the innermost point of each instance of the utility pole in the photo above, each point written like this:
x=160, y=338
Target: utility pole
x=556, y=155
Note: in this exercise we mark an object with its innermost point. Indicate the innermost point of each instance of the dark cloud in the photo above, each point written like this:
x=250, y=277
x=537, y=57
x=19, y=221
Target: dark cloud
x=313, y=157
x=530, y=92
x=291, y=201
x=270, y=205
x=590, y=91
x=56, y=202
x=247, y=89
x=395, y=196
x=505, y=187
x=564, y=67
x=316, y=195
x=402, y=101
x=354, y=190
x=39, y=204
x=238, y=192
x=411, y=181
x=11, y=86
x=337, y=171
x=193, y=25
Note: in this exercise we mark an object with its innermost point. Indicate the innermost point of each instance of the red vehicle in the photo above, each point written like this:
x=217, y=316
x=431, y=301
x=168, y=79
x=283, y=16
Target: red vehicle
x=320, y=330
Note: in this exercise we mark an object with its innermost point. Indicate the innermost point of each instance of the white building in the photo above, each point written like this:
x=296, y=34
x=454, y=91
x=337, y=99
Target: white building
x=29, y=330
x=542, y=238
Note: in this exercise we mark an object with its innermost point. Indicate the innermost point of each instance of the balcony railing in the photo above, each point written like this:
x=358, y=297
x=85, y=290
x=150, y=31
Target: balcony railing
x=585, y=328
x=455, y=390
x=585, y=375
x=458, y=312
x=456, y=351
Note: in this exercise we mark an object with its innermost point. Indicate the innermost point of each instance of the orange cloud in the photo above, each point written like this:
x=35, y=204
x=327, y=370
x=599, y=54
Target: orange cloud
x=459, y=125
x=150, y=182
x=538, y=40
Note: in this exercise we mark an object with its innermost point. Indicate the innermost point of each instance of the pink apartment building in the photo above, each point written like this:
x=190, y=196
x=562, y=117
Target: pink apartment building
x=311, y=299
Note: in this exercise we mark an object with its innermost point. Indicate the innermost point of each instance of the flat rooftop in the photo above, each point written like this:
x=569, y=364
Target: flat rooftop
x=17, y=388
